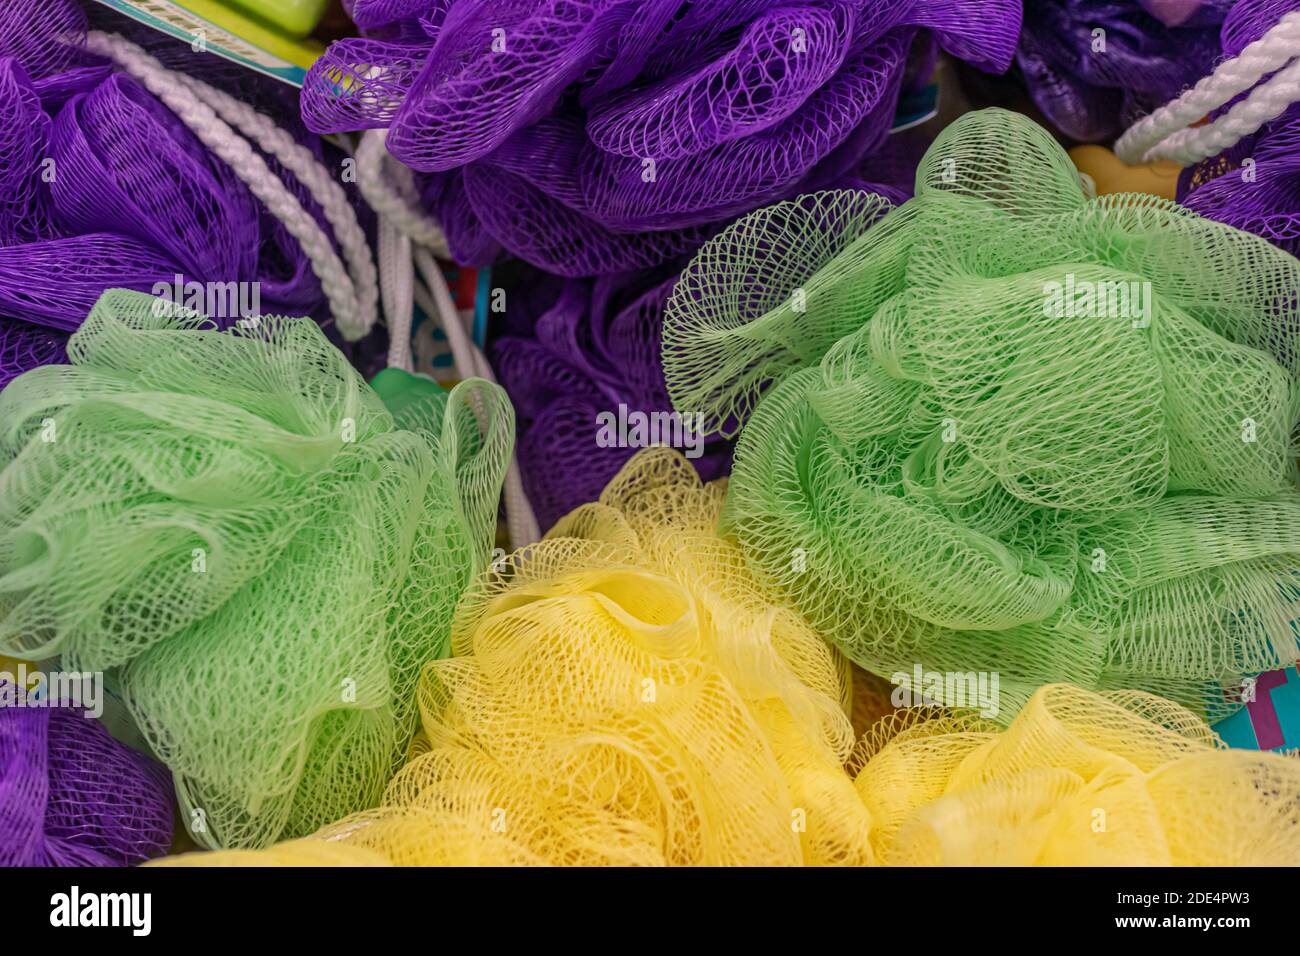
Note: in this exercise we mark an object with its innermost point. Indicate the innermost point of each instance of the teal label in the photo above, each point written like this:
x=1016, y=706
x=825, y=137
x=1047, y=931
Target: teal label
x=184, y=25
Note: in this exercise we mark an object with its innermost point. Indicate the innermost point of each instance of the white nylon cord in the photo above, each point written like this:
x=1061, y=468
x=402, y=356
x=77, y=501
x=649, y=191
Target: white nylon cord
x=1267, y=102
x=389, y=187
x=398, y=287
x=521, y=522
x=305, y=167
x=1167, y=133
x=353, y=296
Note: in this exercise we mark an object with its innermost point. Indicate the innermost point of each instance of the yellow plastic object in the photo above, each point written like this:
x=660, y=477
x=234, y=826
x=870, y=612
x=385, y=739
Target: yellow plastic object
x=9, y=669
x=1112, y=175
x=293, y=18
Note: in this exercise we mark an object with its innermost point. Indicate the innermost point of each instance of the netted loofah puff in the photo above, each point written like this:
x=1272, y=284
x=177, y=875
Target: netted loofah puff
x=623, y=694
x=957, y=468
x=267, y=556
x=71, y=795
x=1078, y=779
x=590, y=137
x=1096, y=66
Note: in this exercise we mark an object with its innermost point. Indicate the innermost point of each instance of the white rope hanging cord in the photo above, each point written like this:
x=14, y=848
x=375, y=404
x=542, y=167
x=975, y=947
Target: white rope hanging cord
x=1168, y=134
x=521, y=521
x=389, y=187
x=409, y=237
x=352, y=289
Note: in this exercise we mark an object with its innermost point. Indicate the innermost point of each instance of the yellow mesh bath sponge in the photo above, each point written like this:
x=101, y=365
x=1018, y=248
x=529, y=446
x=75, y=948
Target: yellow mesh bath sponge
x=1079, y=778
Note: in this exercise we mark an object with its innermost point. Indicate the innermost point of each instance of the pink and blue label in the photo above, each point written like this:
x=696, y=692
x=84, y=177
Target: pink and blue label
x=1271, y=721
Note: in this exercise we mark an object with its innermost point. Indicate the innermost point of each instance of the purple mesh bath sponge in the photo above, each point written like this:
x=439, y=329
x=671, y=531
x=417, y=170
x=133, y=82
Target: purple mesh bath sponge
x=606, y=136
x=582, y=369
x=24, y=346
x=71, y=795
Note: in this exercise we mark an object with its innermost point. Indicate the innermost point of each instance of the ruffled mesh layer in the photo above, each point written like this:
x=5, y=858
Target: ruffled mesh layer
x=1013, y=429
x=625, y=694
x=71, y=795
x=24, y=346
x=235, y=522
x=1078, y=779
x=600, y=136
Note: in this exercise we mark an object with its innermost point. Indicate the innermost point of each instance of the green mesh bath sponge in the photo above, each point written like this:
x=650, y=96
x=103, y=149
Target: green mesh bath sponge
x=235, y=524
x=1009, y=426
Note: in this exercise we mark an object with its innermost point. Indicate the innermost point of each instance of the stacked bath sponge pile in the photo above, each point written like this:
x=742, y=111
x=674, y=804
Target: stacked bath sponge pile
x=1003, y=428
x=623, y=694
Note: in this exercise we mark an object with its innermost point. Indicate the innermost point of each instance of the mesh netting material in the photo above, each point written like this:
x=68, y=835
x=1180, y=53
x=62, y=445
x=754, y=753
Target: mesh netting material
x=947, y=471
x=24, y=346
x=24, y=139
x=594, y=347
x=304, y=852
x=622, y=694
x=101, y=186
x=71, y=795
x=600, y=136
x=1092, y=86
x=1263, y=196
x=1248, y=20
x=1078, y=779
x=235, y=522
x=376, y=14
x=45, y=36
